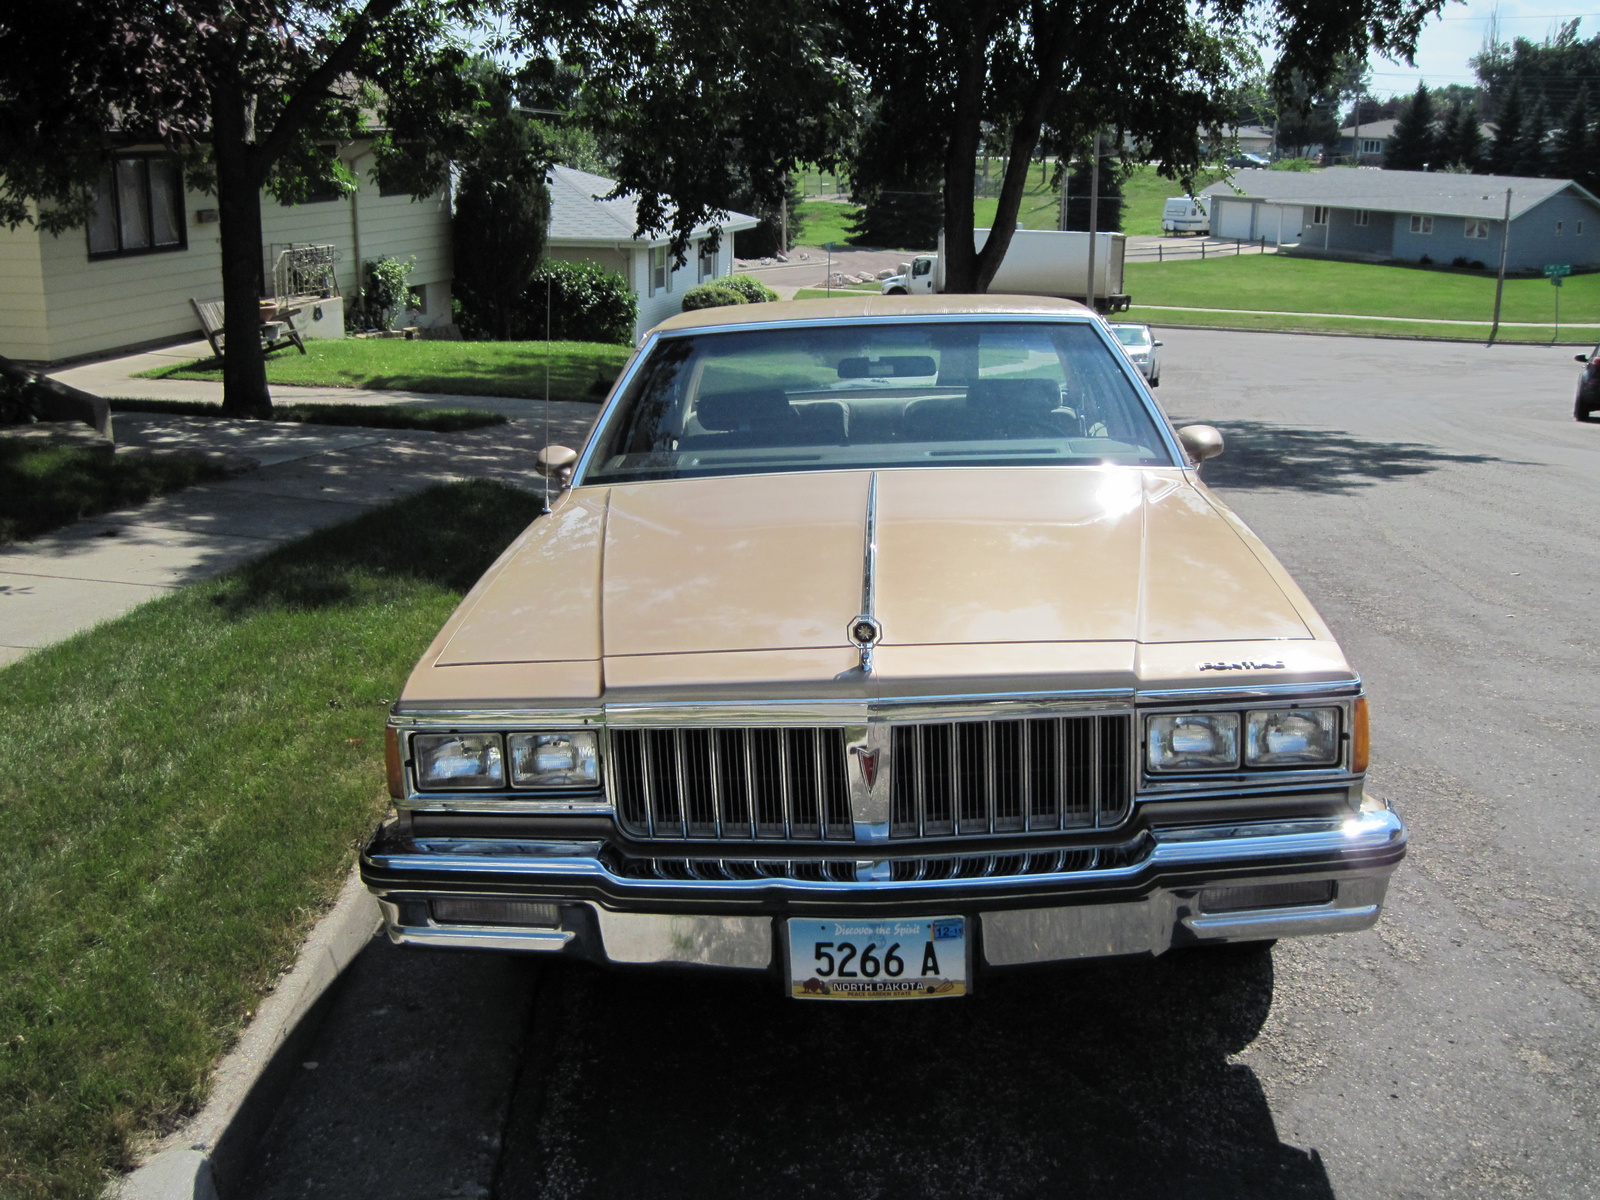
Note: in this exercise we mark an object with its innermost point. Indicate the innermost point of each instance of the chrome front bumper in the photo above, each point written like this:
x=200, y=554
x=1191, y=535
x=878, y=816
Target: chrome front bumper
x=1147, y=907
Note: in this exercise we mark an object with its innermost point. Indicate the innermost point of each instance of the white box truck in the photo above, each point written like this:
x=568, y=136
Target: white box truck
x=1185, y=214
x=1039, y=262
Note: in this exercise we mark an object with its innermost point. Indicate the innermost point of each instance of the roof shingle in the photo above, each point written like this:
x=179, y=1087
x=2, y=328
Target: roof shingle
x=1438, y=192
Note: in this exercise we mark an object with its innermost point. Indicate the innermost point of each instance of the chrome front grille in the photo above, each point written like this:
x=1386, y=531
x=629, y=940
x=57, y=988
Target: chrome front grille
x=732, y=783
x=1035, y=775
x=1042, y=774
x=925, y=869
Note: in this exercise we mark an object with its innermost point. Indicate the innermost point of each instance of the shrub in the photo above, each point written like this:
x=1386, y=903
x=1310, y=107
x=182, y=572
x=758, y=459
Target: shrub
x=753, y=290
x=711, y=295
x=586, y=302
x=1425, y=261
x=386, y=295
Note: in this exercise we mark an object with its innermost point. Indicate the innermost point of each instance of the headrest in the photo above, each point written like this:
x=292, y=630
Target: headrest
x=729, y=411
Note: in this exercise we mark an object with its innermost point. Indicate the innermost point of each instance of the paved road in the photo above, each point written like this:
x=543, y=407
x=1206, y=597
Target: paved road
x=1438, y=503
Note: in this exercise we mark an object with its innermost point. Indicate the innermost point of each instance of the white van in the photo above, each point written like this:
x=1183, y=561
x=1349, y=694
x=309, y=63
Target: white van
x=1185, y=214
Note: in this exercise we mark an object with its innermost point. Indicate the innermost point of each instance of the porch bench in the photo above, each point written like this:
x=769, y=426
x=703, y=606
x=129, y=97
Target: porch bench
x=274, y=334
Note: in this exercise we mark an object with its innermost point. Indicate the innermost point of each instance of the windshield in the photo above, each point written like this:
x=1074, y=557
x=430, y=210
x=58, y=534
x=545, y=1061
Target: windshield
x=864, y=395
x=1132, y=335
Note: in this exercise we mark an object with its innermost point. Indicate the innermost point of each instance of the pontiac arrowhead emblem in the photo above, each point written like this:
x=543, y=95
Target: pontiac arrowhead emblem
x=869, y=763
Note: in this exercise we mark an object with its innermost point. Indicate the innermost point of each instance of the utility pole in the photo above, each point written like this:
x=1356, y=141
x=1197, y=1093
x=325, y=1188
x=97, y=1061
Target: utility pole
x=1500, y=281
x=1094, y=212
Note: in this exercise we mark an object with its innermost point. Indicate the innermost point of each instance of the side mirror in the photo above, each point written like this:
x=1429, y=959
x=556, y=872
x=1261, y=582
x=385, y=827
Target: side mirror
x=1583, y=358
x=556, y=462
x=1159, y=343
x=1200, y=442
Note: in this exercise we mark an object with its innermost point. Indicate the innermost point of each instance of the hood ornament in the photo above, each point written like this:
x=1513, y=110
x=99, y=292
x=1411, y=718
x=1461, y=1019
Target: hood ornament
x=864, y=631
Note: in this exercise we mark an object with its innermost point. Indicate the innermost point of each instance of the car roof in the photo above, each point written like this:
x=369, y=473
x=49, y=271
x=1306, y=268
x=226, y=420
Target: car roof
x=846, y=307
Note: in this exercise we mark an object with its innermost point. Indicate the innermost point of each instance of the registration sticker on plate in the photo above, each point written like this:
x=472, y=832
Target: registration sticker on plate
x=907, y=958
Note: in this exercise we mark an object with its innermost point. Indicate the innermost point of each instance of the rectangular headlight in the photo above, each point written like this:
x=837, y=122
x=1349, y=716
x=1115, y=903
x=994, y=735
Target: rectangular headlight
x=1292, y=737
x=451, y=761
x=554, y=759
x=1193, y=741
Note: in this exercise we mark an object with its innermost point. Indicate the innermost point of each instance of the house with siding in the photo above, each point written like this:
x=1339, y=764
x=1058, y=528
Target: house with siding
x=125, y=281
x=585, y=227
x=1406, y=216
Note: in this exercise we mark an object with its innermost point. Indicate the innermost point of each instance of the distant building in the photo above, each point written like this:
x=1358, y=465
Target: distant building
x=1407, y=215
x=1374, y=137
x=586, y=228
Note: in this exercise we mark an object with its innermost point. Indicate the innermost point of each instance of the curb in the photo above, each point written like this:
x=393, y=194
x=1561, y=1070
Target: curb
x=206, y=1158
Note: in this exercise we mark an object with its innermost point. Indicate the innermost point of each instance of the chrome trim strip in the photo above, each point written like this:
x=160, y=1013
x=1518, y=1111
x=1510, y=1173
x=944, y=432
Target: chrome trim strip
x=856, y=711
x=497, y=803
x=1231, y=844
x=1222, y=695
x=1284, y=922
x=481, y=937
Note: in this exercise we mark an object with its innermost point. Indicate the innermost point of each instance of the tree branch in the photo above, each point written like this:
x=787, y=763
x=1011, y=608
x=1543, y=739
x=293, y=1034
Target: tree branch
x=314, y=89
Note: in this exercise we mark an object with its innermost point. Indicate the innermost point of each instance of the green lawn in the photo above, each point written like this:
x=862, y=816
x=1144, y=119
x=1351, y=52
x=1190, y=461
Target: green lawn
x=1280, y=283
x=824, y=221
x=43, y=487
x=1357, y=327
x=364, y=416
x=1145, y=194
x=185, y=788
x=578, y=370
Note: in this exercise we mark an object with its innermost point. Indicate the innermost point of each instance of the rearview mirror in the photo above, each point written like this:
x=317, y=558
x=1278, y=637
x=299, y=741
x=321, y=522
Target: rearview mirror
x=556, y=462
x=1200, y=442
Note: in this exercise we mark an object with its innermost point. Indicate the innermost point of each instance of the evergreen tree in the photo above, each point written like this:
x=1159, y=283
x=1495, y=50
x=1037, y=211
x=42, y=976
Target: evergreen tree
x=1413, y=146
x=907, y=217
x=1534, y=157
x=1575, y=146
x=766, y=239
x=1448, y=134
x=1467, y=149
x=1108, y=216
x=1505, y=156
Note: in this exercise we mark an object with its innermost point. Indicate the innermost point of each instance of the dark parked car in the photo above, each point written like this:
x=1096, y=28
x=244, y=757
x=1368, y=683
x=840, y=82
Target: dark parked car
x=1588, y=386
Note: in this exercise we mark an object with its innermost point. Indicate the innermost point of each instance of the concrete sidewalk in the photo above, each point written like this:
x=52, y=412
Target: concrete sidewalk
x=303, y=477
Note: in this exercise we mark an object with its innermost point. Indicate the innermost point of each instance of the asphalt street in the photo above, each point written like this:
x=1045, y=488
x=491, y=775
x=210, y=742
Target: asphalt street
x=1439, y=504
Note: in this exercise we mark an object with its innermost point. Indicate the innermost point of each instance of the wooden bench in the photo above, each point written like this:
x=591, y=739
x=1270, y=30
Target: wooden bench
x=274, y=334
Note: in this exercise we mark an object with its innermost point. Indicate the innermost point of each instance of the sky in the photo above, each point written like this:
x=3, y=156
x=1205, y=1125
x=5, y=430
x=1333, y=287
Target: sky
x=1454, y=36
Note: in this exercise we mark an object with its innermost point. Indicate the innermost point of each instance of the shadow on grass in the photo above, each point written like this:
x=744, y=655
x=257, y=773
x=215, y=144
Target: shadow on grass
x=1263, y=456
x=446, y=536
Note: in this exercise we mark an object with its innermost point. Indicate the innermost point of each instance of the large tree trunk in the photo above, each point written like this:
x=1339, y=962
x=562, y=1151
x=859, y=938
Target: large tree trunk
x=244, y=367
x=960, y=254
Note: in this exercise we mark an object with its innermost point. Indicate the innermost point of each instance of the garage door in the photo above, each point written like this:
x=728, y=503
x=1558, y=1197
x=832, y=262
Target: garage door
x=1232, y=219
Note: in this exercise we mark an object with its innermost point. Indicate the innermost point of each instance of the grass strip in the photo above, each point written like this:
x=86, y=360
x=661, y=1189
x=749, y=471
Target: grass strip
x=365, y=416
x=1356, y=327
x=45, y=486
x=185, y=788
x=578, y=370
x=1282, y=283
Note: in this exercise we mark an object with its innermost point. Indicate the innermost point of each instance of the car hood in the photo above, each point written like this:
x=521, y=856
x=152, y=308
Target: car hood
x=964, y=557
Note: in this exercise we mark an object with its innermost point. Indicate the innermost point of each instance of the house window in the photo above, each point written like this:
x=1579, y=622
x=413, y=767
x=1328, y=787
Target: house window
x=1371, y=146
x=1421, y=223
x=1477, y=229
x=138, y=207
x=708, y=261
x=1359, y=217
x=1558, y=228
x=1319, y=215
x=658, y=270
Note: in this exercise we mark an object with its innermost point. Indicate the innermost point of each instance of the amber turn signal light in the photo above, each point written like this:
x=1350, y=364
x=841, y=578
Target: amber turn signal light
x=391, y=761
x=1360, y=742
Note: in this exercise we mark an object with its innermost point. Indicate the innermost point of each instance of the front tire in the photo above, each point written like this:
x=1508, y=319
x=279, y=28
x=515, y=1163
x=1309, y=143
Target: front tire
x=1581, y=411
x=896, y=292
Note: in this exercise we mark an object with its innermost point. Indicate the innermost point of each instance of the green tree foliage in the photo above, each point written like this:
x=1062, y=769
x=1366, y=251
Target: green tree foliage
x=766, y=240
x=904, y=217
x=1554, y=70
x=1577, y=146
x=502, y=212
x=386, y=293
x=1461, y=138
x=1533, y=150
x=1108, y=213
x=707, y=101
x=1505, y=156
x=1414, y=145
x=252, y=92
x=582, y=302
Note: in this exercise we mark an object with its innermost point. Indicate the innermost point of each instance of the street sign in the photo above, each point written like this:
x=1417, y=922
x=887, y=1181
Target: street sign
x=1556, y=270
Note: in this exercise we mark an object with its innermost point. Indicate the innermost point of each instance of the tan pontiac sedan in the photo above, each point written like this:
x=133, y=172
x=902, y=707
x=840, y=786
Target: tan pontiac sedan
x=873, y=644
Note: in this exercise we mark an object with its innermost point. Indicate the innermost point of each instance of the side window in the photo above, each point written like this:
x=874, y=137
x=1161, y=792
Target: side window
x=138, y=207
x=922, y=266
x=658, y=270
x=1421, y=223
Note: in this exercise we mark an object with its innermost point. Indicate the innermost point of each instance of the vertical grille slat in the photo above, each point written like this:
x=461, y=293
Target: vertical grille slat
x=1028, y=775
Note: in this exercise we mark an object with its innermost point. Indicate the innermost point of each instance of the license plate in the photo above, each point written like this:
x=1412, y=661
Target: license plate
x=917, y=958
